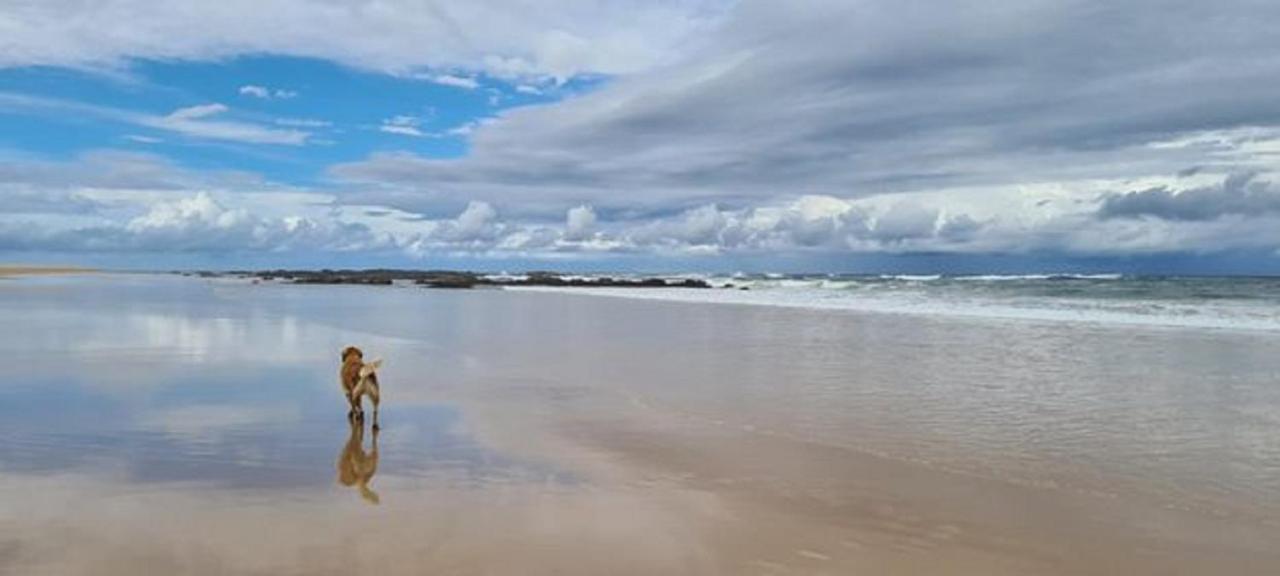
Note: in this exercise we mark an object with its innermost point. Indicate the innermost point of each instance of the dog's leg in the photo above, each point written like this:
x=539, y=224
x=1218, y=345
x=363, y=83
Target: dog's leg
x=351, y=407
x=375, y=395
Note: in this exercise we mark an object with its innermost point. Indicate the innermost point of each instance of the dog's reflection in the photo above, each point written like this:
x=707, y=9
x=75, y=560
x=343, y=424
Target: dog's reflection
x=357, y=467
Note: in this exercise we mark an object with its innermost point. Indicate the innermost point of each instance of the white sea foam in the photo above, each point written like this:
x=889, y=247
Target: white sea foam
x=923, y=297
x=1015, y=277
x=912, y=277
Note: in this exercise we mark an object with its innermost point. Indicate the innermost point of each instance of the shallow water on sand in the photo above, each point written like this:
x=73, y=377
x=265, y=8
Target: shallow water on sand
x=167, y=424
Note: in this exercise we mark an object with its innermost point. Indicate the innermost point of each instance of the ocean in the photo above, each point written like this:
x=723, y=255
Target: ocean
x=1230, y=303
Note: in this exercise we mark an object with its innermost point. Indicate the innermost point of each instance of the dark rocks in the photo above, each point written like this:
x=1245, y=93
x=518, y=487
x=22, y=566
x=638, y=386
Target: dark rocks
x=459, y=279
x=330, y=277
x=449, y=280
x=552, y=279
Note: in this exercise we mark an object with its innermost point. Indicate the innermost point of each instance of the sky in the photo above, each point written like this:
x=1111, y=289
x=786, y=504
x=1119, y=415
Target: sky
x=848, y=136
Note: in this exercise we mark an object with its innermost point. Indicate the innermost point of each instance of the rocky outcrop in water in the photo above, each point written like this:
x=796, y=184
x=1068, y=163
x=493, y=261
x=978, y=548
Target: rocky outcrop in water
x=459, y=279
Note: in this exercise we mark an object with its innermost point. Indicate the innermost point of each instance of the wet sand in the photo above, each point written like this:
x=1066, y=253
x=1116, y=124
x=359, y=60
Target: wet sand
x=172, y=425
x=16, y=270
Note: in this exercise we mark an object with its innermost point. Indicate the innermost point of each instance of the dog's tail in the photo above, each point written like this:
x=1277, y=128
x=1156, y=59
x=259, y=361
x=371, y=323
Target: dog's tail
x=370, y=367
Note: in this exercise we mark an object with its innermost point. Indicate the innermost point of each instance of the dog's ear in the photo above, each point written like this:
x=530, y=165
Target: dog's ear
x=350, y=350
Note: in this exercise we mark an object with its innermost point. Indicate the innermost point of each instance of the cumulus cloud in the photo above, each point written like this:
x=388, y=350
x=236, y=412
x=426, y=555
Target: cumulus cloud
x=112, y=201
x=477, y=222
x=120, y=202
x=200, y=223
x=190, y=224
x=580, y=223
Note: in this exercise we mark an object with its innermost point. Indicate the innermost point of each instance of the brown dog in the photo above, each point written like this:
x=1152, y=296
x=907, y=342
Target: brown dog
x=360, y=378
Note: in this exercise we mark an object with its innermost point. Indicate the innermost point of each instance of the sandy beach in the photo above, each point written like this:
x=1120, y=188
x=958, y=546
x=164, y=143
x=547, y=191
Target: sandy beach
x=21, y=270
x=182, y=425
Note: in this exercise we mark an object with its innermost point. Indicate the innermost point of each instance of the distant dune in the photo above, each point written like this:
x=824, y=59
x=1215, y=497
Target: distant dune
x=27, y=270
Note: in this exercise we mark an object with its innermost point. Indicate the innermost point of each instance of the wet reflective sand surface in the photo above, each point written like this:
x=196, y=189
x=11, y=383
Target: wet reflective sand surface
x=171, y=425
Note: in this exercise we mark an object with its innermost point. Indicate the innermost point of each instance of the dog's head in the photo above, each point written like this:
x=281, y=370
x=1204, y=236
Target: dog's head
x=351, y=352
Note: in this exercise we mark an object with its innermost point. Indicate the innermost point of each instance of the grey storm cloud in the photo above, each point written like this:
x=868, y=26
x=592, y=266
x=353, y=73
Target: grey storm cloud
x=856, y=99
x=905, y=220
x=1240, y=194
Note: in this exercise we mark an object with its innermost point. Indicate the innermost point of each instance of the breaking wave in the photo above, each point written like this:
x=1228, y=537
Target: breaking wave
x=1180, y=302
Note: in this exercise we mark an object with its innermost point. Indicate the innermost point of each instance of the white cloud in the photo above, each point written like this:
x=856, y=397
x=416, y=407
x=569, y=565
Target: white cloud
x=199, y=213
x=196, y=112
x=142, y=139
x=195, y=223
x=409, y=125
x=404, y=125
x=573, y=37
x=194, y=121
x=477, y=222
x=264, y=93
x=303, y=122
x=402, y=130
x=466, y=128
x=464, y=82
x=580, y=223
x=255, y=91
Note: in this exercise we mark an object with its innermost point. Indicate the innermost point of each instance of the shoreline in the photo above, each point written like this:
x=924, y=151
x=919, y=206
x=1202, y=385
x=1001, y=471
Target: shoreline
x=14, y=270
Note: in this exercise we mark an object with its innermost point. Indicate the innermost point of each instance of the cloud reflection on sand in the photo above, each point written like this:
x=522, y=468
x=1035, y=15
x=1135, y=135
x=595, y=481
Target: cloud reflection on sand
x=176, y=384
